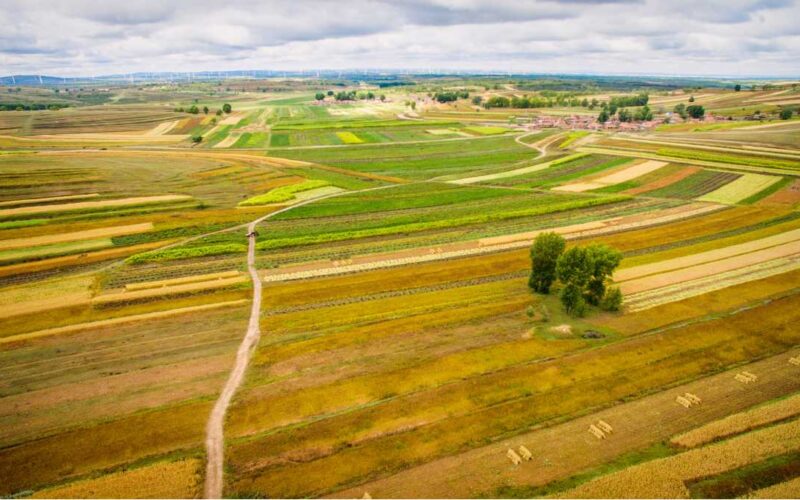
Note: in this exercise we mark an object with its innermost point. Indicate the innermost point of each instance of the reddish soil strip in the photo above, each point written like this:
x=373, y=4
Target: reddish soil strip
x=566, y=449
x=664, y=181
x=789, y=195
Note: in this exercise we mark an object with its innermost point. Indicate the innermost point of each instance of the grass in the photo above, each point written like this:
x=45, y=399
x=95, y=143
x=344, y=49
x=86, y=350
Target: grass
x=283, y=193
x=758, y=161
x=572, y=137
x=349, y=138
x=486, y=130
x=744, y=187
x=53, y=250
x=696, y=185
x=771, y=189
x=185, y=253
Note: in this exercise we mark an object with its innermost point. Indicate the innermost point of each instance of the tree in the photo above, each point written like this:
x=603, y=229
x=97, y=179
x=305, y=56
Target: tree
x=226, y=108
x=477, y=100
x=624, y=115
x=194, y=109
x=382, y=97
x=320, y=96
x=612, y=300
x=644, y=114
x=603, y=116
x=219, y=112
x=574, y=268
x=786, y=113
x=737, y=87
x=413, y=104
x=330, y=93
x=691, y=98
x=681, y=110
x=603, y=260
x=205, y=110
x=197, y=139
x=546, y=249
x=695, y=111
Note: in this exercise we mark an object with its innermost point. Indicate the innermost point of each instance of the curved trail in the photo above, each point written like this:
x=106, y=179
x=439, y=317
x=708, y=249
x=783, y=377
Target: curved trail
x=214, y=429
x=215, y=440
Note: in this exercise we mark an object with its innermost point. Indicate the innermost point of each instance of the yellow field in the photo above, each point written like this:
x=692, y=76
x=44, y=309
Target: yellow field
x=106, y=232
x=180, y=479
x=91, y=205
x=665, y=477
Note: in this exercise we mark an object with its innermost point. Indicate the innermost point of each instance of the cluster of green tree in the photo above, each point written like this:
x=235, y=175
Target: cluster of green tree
x=194, y=109
x=693, y=110
x=582, y=271
x=629, y=100
x=786, y=113
x=350, y=95
x=607, y=111
x=539, y=102
x=384, y=85
x=451, y=96
x=31, y=107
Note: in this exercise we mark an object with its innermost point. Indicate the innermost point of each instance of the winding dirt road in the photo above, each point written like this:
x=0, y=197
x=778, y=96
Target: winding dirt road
x=215, y=441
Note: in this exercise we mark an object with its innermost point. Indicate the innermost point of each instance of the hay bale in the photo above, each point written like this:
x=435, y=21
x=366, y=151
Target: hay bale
x=742, y=378
x=795, y=361
x=604, y=426
x=366, y=496
x=512, y=455
x=750, y=376
x=525, y=452
x=683, y=401
x=596, y=432
x=693, y=398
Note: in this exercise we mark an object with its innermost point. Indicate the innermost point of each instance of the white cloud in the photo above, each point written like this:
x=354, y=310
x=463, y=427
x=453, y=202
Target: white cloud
x=635, y=36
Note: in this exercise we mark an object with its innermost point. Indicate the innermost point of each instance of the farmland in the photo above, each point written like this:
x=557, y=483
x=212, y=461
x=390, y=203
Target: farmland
x=370, y=258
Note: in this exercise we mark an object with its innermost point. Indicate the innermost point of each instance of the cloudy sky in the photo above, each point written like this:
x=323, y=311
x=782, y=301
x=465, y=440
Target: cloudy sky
x=678, y=37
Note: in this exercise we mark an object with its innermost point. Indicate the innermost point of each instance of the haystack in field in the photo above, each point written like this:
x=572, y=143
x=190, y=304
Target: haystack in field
x=512, y=455
x=693, y=398
x=683, y=401
x=604, y=426
x=596, y=432
x=525, y=452
x=795, y=361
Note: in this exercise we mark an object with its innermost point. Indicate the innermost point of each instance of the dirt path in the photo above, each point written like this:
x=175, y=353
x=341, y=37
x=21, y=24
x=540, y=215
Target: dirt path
x=215, y=441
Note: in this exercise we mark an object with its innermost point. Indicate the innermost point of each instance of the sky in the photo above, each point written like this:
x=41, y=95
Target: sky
x=664, y=37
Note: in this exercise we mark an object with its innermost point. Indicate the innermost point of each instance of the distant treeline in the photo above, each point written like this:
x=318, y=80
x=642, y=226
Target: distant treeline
x=384, y=85
x=31, y=107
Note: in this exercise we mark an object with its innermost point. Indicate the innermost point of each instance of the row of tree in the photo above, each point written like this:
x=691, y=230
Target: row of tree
x=32, y=107
x=693, y=110
x=583, y=273
x=625, y=115
x=451, y=96
x=348, y=95
x=194, y=109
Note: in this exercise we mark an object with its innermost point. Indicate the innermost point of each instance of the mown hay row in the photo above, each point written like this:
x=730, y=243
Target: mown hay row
x=91, y=205
x=131, y=287
x=665, y=477
x=165, y=291
x=742, y=188
x=104, y=232
x=34, y=201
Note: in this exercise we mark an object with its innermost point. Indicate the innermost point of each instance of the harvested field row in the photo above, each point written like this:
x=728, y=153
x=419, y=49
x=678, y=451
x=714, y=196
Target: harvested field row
x=769, y=413
x=564, y=449
x=106, y=232
x=709, y=256
x=666, y=477
x=683, y=275
x=92, y=205
x=685, y=290
x=36, y=201
x=116, y=321
x=179, y=281
x=162, y=292
x=623, y=175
